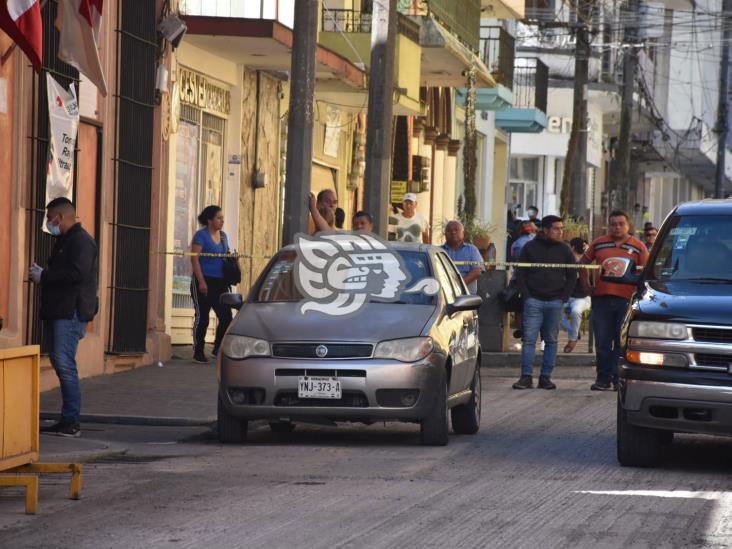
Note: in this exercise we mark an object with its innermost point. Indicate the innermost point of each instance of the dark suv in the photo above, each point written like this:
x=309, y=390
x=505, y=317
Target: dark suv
x=676, y=368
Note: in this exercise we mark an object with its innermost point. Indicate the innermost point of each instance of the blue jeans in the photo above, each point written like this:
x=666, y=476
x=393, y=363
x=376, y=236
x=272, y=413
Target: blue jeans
x=608, y=312
x=62, y=341
x=572, y=319
x=540, y=316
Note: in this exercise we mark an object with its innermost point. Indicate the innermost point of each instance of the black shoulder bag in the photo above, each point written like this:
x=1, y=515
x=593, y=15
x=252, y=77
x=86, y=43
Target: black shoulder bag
x=232, y=272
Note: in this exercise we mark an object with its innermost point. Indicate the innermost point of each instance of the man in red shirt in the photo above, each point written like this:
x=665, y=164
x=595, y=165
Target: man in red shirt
x=610, y=300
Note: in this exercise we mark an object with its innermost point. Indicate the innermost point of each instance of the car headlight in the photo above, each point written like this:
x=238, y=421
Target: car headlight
x=657, y=359
x=241, y=347
x=658, y=330
x=410, y=349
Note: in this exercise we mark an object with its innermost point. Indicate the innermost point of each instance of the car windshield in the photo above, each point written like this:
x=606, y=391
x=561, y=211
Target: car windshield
x=694, y=247
x=278, y=284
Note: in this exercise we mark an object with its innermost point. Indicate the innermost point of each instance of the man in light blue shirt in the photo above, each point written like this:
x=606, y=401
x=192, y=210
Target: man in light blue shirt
x=459, y=250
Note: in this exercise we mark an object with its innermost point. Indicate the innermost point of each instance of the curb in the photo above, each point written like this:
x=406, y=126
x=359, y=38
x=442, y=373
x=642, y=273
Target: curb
x=82, y=456
x=156, y=421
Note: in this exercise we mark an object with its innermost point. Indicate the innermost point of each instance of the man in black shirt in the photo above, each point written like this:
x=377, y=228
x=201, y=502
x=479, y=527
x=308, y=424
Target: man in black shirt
x=68, y=301
x=545, y=290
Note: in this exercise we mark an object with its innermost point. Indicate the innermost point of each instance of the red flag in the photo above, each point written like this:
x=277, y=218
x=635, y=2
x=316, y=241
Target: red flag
x=21, y=20
x=78, y=22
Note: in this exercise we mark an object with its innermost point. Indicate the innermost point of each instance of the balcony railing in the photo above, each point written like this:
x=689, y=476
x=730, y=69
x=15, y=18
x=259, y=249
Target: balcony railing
x=345, y=20
x=461, y=18
x=497, y=52
x=530, y=84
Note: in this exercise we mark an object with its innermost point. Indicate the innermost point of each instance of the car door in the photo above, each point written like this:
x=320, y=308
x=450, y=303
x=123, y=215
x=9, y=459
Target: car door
x=448, y=327
x=468, y=324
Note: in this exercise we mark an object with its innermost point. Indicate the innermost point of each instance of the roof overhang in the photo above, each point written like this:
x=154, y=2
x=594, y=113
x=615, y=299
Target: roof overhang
x=264, y=44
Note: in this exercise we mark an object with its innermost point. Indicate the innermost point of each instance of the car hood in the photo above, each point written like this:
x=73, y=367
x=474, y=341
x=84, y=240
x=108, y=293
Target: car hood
x=375, y=322
x=686, y=301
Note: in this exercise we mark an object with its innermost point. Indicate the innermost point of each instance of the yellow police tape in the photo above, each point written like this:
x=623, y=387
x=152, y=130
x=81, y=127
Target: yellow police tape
x=484, y=263
x=529, y=265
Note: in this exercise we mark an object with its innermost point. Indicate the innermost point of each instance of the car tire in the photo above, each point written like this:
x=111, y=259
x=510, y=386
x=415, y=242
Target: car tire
x=434, y=428
x=282, y=427
x=231, y=430
x=639, y=446
x=466, y=417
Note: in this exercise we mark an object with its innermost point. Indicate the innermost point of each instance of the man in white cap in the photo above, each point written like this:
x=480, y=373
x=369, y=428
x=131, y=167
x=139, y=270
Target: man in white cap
x=411, y=226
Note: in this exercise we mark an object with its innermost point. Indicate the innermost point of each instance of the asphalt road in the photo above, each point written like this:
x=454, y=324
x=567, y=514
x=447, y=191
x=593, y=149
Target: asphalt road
x=541, y=473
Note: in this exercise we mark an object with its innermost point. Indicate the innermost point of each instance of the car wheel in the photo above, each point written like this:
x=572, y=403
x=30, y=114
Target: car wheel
x=434, y=428
x=466, y=417
x=639, y=446
x=231, y=429
x=281, y=427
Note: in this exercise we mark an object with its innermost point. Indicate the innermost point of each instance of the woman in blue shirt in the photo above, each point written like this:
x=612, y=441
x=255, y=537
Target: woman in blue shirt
x=208, y=283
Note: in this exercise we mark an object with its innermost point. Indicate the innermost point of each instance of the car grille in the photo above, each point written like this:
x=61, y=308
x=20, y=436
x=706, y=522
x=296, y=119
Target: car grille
x=335, y=350
x=349, y=399
x=712, y=335
x=296, y=372
x=707, y=359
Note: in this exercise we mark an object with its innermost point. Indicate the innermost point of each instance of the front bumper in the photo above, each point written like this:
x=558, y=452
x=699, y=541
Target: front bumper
x=676, y=400
x=360, y=381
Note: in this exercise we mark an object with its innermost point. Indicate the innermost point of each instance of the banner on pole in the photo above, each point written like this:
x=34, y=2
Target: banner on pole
x=63, y=113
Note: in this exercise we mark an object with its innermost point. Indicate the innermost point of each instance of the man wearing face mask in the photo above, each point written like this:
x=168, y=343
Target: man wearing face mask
x=68, y=288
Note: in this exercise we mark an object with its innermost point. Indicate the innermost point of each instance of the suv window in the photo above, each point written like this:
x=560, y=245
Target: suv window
x=694, y=247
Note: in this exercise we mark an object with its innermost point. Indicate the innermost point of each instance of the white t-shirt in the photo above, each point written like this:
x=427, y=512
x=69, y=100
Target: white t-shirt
x=409, y=229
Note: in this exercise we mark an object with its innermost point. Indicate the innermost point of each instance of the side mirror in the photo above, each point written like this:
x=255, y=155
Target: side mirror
x=465, y=303
x=619, y=270
x=231, y=299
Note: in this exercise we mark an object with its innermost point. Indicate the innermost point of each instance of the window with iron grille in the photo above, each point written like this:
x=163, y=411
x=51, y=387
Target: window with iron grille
x=41, y=243
x=137, y=51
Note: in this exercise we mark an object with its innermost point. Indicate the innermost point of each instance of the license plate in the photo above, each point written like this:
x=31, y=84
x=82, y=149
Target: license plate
x=318, y=387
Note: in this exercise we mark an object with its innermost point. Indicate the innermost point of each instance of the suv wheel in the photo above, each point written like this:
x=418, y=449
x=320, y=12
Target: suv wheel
x=639, y=446
x=466, y=417
x=231, y=429
x=434, y=428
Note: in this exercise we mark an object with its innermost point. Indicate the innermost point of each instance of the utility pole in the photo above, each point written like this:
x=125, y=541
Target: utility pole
x=470, y=160
x=723, y=107
x=300, y=120
x=573, y=198
x=619, y=182
x=379, y=117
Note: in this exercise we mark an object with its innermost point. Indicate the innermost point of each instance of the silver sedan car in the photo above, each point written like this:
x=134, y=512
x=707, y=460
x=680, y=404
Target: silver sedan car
x=414, y=359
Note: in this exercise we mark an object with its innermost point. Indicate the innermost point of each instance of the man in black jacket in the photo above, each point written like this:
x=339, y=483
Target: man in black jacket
x=68, y=301
x=545, y=290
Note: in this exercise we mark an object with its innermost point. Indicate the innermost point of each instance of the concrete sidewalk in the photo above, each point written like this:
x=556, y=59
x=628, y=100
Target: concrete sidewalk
x=183, y=393
x=179, y=393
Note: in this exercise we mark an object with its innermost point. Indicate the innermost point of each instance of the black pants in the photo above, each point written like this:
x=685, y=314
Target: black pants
x=203, y=303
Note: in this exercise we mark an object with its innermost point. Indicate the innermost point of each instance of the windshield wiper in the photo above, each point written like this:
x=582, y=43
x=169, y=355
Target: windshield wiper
x=709, y=279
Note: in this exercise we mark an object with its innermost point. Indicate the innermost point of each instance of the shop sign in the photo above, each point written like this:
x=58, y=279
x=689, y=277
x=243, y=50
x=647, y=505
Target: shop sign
x=199, y=91
x=397, y=191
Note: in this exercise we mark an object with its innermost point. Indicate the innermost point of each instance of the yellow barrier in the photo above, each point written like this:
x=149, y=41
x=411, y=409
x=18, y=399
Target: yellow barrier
x=19, y=424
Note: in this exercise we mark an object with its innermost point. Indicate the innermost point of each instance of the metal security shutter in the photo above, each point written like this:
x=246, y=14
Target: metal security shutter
x=136, y=63
x=40, y=243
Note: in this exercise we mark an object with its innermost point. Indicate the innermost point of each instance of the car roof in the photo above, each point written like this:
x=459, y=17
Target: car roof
x=708, y=206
